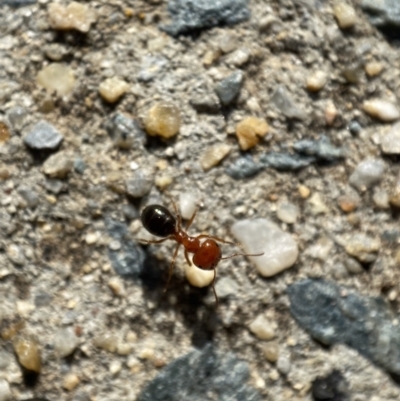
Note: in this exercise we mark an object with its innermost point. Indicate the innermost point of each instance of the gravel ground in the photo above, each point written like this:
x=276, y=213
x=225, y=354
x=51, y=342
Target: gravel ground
x=278, y=114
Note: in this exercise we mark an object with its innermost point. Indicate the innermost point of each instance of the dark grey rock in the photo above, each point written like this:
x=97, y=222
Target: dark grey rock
x=244, y=167
x=229, y=88
x=286, y=161
x=79, y=165
x=355, y=127
x=333, y=314
x=139, y=184
x=151, y=67
x=202, y=375
x=384, y=14
x=322, y=149
x=286, y=105
x=193, y=15
x=42, y=299
x=125, y=132
x=18, y=3
x=332, y=387
x=205, y=103
x=43, y=136
x=29, y=195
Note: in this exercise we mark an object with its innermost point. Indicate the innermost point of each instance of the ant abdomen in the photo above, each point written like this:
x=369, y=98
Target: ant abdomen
x=158, y=220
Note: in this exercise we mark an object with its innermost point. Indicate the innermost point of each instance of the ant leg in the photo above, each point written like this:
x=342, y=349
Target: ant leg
x=171, y=267
x=213, y=287
x=191, y=219
x=242, y=254
x=187, y=258
x=145, y=241
x=217, y=239
x=178, y=216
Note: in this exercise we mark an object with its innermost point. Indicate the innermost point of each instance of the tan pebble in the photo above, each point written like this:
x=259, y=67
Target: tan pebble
x=298, y=386
x=373, y=68
x=71, y=382
x=162, y=164
x=58, y=165
x=159, y=362
x=316, y=81
x=92, y=238
x=75, y=16
x=115, y=367
x=271, y=351
x=250, y=130
x=198, y=277
x=347, y=203
x=304, y=191
x=116, y=286
x=210, y=57
x=129, y=12
x=124, y=349
x=330, y=113
x=57, y=78
x=163, y=119
x=214, y=155
x=131, y=337
x=381, y=109
x=112, y=89
x=28, y=353
x=345, y=14
x=273, y=375
x=51, y=199
x=146, y=353
x=163, y=181
x=4, y=132
x=262, y=328
x=25, y=308
x=134, y=364
x=106, y=341
x=291, y=342
x=317, y=204
x=354, y=219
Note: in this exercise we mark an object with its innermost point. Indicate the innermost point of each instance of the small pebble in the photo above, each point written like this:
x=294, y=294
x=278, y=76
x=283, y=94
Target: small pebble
x=226, y=287
x=43, y=136
x=140, y=183
x=262, y=235
x=368, y=173
x=355, y=127
x=320, y=249
x=350, y=201
x=239, y=58
x=373, y=68
x=5, y=391
x=316, y=81
x=283, y=364
x=229, y=88
x=16, y=254
x=390, y=142
x=29, y=195
x=106, y=341
x=353, y=266
x=282, y=100
x=71, y=382
x=17, y=116
x=65, y=342
x=345, y=14
x=124, y=349
x=74, y=16
x=214, y=155
x=317, y=204
x=271, y=351
x=363, y=247
x=115, y=367
x=117, y=286
x=330, y=112
x=198, y=277
x=304, y=191
x=163, y=181
x=28, y=353
x=250, y=130
x=4, y=133
x=381, y=198
x=163, y=119
x=287, y=212
x=244, y=167
x=205, y=103
x=58, y=78
x=262, y=328
x=112, y=89
x=381, y=109
x=187, y=204
x=394, y=197
x=92, y=238
x=58, y=165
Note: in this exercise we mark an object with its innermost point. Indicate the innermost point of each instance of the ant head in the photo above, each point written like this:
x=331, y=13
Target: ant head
x=208, y=255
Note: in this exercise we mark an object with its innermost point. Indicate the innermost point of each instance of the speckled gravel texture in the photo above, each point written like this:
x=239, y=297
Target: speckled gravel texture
x=69, y=251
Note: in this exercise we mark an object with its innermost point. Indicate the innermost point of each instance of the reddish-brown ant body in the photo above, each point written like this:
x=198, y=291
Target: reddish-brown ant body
x=159, y=221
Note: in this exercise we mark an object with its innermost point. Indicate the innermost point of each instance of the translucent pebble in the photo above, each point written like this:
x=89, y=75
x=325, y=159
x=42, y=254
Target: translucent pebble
x=262, y=328
x=345, y=15
x=316, y=81
x=287, y=212
x=250, y=130
x=112, y=89
x=58, y=78
x=27, y=350
x=65, y=342
x=381, y=109
x=198, y=277
x=214, y=155
x=187, y=204
x=75, y=16
x=373, y=68
x=262, y=235
x=367, y=173
x=163, y=119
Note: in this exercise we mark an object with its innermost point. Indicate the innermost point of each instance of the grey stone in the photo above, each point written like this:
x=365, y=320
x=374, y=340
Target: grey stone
x=202, y=375
x=17, y=117
x=43, y=136
x=334, y=314
x=193, y=15
x=286, y=161
x=30, y=196
x=139, y=184
x=18, y=3
x=244, y=167
x=368, y=173
x=55, y=186
x=322, y=149
x=286, y=105
x=79, y=165
x=355, y=127
x=205, y=103
x=228, y=89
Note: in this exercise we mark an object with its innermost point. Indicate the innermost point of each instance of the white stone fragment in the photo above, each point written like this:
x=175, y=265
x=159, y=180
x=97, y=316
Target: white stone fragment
x=262, y=328
x=187, y=204
x=287, y=212
x=382, y=109
x=345, y=14
x=262, y=235
x=198, y=277
x=65, y=342
x=390, y=143
x=367, y=173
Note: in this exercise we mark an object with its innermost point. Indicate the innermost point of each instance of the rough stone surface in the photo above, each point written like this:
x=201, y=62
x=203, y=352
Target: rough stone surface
x=43, y=136
x=286, y=161
x=282, y=100
x=244, y=167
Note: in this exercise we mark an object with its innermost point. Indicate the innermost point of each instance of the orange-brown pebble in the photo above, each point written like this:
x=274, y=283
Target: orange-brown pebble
x=4, y=132
x=28, y=353
x=71, y=381
x=250, y=130
x=347, y=203
x=330, y=113
x=163, y=119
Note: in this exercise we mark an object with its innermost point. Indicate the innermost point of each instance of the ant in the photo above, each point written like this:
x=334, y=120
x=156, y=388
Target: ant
x=159, y=221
